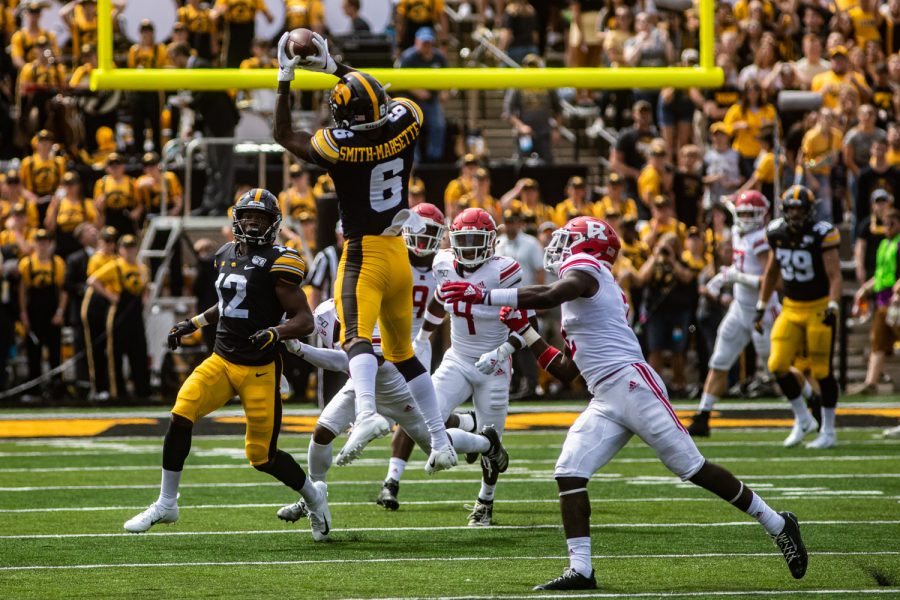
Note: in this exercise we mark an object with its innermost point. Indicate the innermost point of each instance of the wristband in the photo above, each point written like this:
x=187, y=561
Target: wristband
x=760, y=305
x=530, y=336
x=547, y=356
x=833, y=306
x=502, y=297
x=284, y=87
x=423, y=336
x=432, y=318
x=200, y=321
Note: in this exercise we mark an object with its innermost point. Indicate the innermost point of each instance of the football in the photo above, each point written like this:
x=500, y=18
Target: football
x=300, y=43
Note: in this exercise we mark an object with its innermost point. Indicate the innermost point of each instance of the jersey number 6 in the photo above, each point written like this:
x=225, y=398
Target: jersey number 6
x=386, y=185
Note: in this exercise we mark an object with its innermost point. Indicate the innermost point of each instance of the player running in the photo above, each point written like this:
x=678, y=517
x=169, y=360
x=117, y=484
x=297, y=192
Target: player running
x=738, y=328
x=805, y=257
x=628, y=396
x=477, y=363
x=258, y=284
x=369, y=155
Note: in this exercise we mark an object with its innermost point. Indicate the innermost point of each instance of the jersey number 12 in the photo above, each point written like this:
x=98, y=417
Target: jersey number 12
x=235, y=282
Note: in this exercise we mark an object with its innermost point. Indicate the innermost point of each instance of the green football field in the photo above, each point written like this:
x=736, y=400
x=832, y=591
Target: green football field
x=63, y=502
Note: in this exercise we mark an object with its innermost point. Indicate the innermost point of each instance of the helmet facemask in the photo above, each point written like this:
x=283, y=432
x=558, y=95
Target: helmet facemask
x=559, y=249
x=426, y=242
x=253, y=233
x=749, y=218
x=473, y=247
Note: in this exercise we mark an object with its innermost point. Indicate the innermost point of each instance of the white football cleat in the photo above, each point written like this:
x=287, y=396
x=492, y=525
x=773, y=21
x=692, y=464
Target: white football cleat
x=441, y=460
x=293, y=512
x=893, y=433
x=320, y=514
x=824, y=440
x=156, y=513
x=800, y=431
x=364, y=431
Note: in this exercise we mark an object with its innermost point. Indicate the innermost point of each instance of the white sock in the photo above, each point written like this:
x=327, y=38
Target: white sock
x=771, y=521
x=363, y=369
x=464, y=442
x=580, y=555
x=310, y=493
x=707, y=401
x=801, y=414
x=807, y=391
x=318, y=459
x=487, y=491
x=422, y=390
x=168, y=489
x=396, y=466
x=828, y=415
x=466, y=422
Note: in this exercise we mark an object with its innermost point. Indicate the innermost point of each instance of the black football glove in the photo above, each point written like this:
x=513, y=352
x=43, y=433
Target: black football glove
x=264, y=338
x=829, y=317
x=180, y=330
x=760, y=314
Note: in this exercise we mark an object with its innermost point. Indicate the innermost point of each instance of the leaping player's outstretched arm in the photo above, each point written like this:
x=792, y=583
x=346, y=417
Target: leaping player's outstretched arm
x=574, y=284
x=551, y=359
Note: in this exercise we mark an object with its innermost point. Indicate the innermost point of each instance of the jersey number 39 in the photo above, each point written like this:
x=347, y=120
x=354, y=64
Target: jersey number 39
x=796, y=265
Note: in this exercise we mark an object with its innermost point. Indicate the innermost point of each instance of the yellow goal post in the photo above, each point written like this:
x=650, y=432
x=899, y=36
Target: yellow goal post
x=706, y=75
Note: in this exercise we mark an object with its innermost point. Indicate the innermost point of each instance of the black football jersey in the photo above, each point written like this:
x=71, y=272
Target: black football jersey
x=371, y=169
x=800, y=257
x=247, y=300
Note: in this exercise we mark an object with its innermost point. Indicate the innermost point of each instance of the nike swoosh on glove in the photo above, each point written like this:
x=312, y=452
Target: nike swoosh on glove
x=264, y=338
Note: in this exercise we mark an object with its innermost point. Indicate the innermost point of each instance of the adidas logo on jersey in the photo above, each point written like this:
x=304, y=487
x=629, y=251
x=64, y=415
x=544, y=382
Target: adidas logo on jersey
x=632, y=385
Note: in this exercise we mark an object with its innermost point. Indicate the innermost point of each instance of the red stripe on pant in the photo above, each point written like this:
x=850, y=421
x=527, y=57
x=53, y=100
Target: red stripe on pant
x=648, y=378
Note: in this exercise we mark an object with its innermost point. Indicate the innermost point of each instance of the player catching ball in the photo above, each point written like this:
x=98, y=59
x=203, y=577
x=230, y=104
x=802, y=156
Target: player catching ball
x=369, y=155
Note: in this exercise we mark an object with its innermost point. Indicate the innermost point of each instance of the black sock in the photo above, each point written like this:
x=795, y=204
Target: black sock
x=285, y=469
x=176, y=446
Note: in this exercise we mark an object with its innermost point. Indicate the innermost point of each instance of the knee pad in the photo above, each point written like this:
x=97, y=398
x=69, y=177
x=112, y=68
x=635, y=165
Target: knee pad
x=410, y=368
x=358, y=346
x=789, y=385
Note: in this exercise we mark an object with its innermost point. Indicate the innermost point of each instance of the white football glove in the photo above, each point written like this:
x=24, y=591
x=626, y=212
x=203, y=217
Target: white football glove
x=294, y=347
x=322, y=61
x=441, y=460
x=491, y=361
x=714, y=285
x=286, y=65
x=729, y=274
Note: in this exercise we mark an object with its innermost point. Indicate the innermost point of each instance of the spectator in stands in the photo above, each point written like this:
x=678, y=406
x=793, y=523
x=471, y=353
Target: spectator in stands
x=42, y=301
x=576, y=204
x=656, y=176
x=16, y=236
x=304, y=13
x=203, y=36
x=763, y=177
x=632, y=146
x=425, y=56
x=23, y=47
x=81, y=76
x=869, y=233
x=584, y=41
x=95, y=309
x=535, y=115
x=518, y=30
x=721, y=165
x=9, y=305
x=220, y=117
x=116, y=199
x=669, y=286
x=829, y=83
x=744, y=121
x=857, y=147
x=42, y=172
x=417, y=192
x=687, y=185
x=812, y=63
x=528, y=193
x=615, y=201
x=204, y=286
x=39, y=81
x=412, y=15
x=298, y=196
x=818, y=155
x=887, y=301
x=15, y=194
x=357, y=23
x=145, y=106
x=462, y=185
x=68, y=209
x=150, y=186
x=662, y=222
x=480, y=196
x=81, y=18
x=877, y=174
x=75, y=286
x=239, y=19
x=300, y=234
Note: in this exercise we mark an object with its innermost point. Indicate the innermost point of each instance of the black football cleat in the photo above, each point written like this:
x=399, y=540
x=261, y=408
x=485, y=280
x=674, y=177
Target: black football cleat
x=699, y=426
x=570, y=580
x=388, y=496
x=791, y=545
x=496, y=454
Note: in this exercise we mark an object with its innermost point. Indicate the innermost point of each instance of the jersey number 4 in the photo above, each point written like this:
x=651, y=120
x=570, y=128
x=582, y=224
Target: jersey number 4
x=235, y=282
x=796, y=265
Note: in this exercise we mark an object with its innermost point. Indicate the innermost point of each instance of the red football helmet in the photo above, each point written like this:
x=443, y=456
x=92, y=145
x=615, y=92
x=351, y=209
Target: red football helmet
x=473, y=236
x=750, y=209
x=582, y=235
x=428, y=241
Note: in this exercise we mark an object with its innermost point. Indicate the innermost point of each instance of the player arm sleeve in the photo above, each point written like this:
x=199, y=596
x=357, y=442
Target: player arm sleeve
x=322, y=358
x=289, y=267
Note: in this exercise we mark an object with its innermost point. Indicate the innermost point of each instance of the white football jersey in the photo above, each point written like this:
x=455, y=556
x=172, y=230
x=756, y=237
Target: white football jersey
x=475, y=328
x=747, y=248
x=328, y=330
x=596, y=329
x=423, y=289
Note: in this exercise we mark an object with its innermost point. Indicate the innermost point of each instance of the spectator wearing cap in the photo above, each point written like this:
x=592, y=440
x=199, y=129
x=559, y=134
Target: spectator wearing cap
x=149, y=188
x=14, y=193
x=812, y=63
x=16, y=233
x=145, y=106
x=818, y=155
x=115, y=197
x=180, y=35
x=123, y=282
x=763, y=177
x=23, y=45
x=42, y=172
x=416, y=191
x=203, y=35
x=630, y=152
x=829, y=83
x=687, y=185
x=535, y=116
x=884, y=286
x=410, y=16
x=744, y=121
x=68, y=209
x=479, y=197
x=39, y=81
x=42, y=295
x=298, y=196
x=81, y=18
x=576, y=203
x=423, y=55
x=857, y=146
x=518, y=30
x=528, y=193
x=462, y=185
x=877, y=174
x=869, y=233
x=615, y=200
x=662, y=222
x=656, y=176
x=633, y=247
x=721, y=164
x=95, y=312
x=358, y=24
x=239, y=27
x=75, y=286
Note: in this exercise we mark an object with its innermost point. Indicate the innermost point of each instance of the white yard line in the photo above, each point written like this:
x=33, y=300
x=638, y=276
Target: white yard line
x=61, y=536
x=420, y=559
x=700, y=594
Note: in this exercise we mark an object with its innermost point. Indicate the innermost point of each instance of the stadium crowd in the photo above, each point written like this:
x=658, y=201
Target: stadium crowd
x=82, y=174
